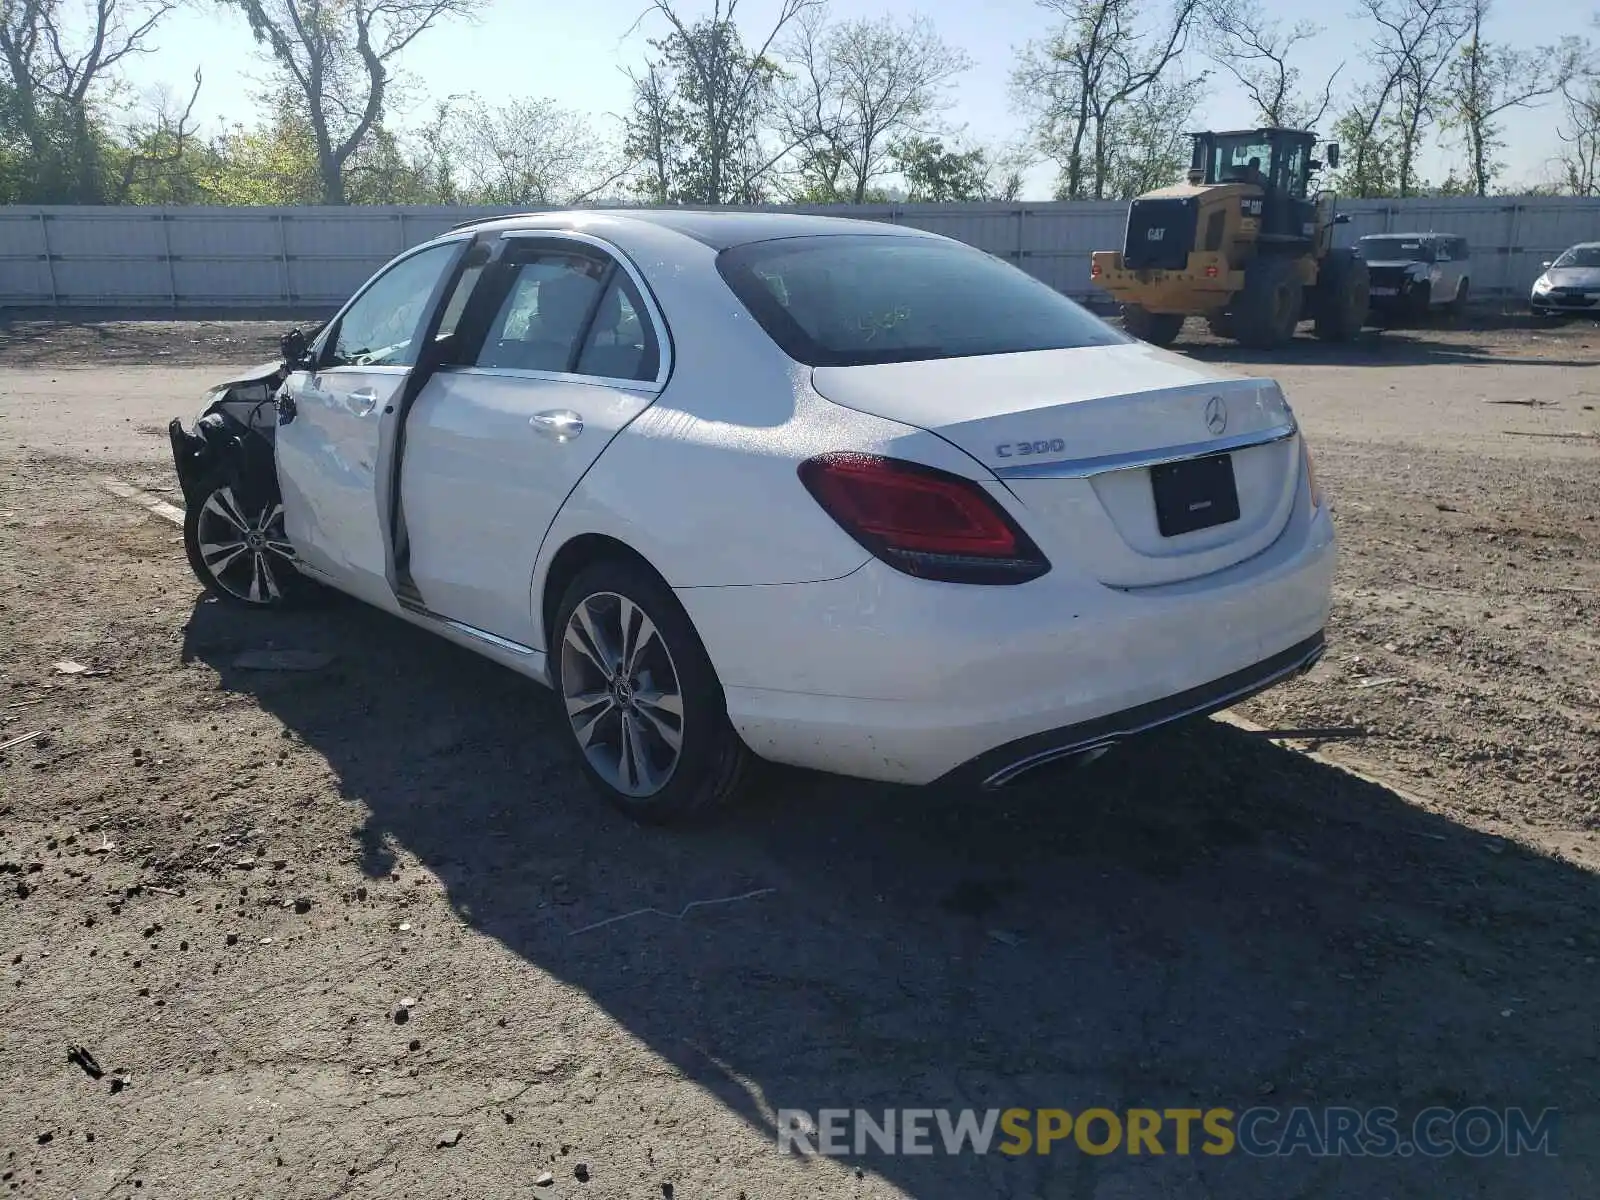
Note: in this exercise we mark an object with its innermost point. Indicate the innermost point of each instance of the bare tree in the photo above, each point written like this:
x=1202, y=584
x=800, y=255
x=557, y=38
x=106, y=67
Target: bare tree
x=701, y=108
x=526, y=152
x=1487, y=79
x=859, y=86
x=340, y=56
x=58, y=64
x=1580, y=136
x=1410, y=52
x=1077, y=82
x=1255, y=50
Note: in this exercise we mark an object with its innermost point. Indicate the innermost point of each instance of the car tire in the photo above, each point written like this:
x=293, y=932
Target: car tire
x=1458, y=306
x=1159, y=329
x=620, y=636
x=237, y=547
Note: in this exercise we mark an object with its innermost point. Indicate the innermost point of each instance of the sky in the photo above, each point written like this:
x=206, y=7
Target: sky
x=574, y=53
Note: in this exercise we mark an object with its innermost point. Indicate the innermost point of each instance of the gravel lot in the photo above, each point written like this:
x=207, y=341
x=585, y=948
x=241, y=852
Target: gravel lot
x=225, y=883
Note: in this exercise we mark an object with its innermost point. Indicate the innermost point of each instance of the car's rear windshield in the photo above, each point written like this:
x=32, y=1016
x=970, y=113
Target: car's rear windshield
x=845, y=300
x=1378, y=249
x=1579, y=256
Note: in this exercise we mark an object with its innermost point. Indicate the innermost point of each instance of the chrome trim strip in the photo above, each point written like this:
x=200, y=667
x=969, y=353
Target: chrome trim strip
x=657, y=320
x=1083, y=468
x=626, y=385
x=1106, y=740
x=482, y=635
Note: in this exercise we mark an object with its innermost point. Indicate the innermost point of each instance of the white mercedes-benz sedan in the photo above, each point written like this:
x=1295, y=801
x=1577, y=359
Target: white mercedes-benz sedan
x=830, y=493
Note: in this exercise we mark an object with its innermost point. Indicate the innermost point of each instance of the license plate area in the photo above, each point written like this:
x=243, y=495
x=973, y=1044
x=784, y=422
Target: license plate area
x=1384, y=291
x=1196, y=493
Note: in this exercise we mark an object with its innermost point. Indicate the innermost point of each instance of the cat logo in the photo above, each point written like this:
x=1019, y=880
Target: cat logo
x=1155, y=235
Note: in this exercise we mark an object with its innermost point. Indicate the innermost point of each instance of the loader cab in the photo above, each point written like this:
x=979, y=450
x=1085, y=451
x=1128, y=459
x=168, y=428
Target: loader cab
x=1279, y=162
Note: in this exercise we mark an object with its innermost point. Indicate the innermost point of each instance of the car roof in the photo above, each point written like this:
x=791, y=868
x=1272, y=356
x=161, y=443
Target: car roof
x=719, y=229
x=1417, y=236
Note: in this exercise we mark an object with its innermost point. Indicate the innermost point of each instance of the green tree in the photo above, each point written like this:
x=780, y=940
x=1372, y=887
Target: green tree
x=701, y=108
x=59, y=67
x=938, y=175
x=337, y=60
x=855, y=88
x=1486, y=80
x=1078, y=83
x=1369, y=152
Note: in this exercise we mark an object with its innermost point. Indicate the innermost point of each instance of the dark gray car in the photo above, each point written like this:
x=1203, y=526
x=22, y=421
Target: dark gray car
x=1570, y=284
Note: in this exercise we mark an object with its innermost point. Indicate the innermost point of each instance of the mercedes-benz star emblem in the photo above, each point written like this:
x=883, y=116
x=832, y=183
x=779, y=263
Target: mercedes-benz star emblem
x=1216, y=415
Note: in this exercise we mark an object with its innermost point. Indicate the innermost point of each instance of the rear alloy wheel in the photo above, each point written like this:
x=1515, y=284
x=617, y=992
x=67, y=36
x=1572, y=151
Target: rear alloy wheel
x=1267, y=309
x=642, y=702
x=1159, y=329
x=238, y=549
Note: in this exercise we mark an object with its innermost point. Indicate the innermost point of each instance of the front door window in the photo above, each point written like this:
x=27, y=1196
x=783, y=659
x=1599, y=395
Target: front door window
x=381, y=328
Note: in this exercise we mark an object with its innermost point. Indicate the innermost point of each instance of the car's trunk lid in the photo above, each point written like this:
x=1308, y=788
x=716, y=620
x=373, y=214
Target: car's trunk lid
x=1073, y=435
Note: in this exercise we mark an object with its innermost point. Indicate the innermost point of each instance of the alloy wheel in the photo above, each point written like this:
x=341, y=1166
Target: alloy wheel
x=246, y=555
x=622, y=694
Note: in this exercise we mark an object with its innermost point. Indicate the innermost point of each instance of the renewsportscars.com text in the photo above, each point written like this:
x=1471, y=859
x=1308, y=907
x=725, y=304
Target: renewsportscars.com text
x=1259, y=1132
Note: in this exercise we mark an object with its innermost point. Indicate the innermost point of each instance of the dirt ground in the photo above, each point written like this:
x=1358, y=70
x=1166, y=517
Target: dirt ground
x=228, y=885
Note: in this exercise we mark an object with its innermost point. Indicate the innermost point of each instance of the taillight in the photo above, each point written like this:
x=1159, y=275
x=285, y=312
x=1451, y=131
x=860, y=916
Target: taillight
x=921, y=520
x=1312, y=485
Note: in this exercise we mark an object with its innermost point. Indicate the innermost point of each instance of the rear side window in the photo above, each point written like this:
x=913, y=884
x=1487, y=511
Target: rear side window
x=621, y=342
x=543, y=316
x=852, y=300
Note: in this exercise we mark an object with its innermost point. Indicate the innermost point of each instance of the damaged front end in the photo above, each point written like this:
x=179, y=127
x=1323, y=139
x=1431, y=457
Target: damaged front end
x=233, y=437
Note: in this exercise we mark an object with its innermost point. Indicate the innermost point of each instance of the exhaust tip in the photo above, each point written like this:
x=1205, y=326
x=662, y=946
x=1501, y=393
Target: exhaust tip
x=1075, y=756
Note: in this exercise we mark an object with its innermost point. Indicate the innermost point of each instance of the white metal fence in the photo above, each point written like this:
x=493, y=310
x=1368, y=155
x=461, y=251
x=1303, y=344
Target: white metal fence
x=314, y=257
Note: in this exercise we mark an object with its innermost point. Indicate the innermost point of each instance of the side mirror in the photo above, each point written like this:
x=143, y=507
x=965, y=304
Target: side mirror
x=294, y=349
x=1333, y=155
x=1547, y=264
x=1341, y=219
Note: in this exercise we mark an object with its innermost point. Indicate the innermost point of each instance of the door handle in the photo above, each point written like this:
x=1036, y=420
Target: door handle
x=362, y=401
x=560, y=425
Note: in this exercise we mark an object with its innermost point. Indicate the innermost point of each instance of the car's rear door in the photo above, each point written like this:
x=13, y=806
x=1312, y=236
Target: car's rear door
x=337, y=418
x=570, y=350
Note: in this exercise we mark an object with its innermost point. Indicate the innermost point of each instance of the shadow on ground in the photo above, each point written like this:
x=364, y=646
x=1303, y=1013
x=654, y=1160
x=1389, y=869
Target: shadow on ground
x=1392, y=347
x=1203, y=920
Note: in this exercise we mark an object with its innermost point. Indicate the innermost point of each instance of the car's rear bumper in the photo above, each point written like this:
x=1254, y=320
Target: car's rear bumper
x=998, y=767
x=880, y=676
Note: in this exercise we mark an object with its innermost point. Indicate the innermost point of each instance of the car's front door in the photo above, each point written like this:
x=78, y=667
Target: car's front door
x=1446, y=274
x=568, y=352
x=337, y=417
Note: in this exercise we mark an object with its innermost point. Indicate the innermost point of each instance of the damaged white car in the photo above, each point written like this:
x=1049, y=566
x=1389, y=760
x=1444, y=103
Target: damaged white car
x=752, y=486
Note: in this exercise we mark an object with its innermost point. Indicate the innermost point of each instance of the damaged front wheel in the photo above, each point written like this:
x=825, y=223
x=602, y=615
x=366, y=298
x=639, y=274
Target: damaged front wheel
x=237, y=547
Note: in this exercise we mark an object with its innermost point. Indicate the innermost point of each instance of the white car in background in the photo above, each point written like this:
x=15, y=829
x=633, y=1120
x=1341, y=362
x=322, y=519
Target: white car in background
x=843, y=495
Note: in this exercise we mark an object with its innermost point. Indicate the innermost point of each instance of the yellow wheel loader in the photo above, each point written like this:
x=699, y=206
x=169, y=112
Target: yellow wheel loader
x=1243, y=242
